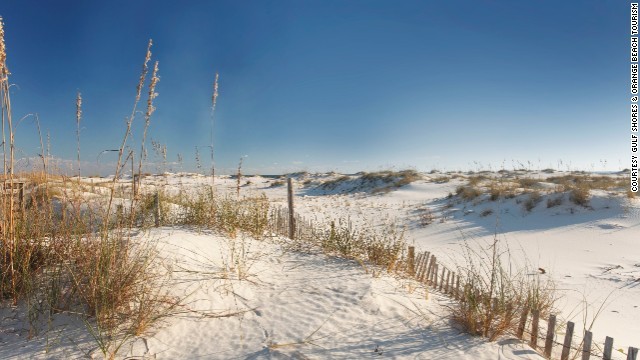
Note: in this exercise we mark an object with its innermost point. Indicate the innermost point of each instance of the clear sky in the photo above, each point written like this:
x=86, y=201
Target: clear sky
x=323, y=85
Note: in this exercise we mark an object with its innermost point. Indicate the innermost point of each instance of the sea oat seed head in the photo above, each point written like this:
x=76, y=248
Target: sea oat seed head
x=78, y=107
x=4, y=72
x=152, y=92
x=145, y=70
x=214, y=97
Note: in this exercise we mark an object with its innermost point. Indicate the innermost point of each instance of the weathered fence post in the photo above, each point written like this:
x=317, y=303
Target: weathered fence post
x=21, y=194
x=535, y=321
x=430, y=269
x=292, y=224
x=156, y=208
x=418, y=265
x=411, y=259
x=608, y=348
x=548, y=343
x=586, y=345
x=446, y=284
x=568, y=337
x=423, y=266
x=435, y=275
x=632, y=354
x=442, y=277
x=523, y=322
x=451, y=284
x=119, y=213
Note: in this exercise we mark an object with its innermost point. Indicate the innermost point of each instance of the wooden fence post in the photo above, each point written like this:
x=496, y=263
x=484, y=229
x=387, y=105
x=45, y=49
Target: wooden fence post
x=632, y=354
x=442, y=277
x=568, y=337
x=418, y=265
x=430, y=269
x=412, y=260
x=523, y=322
x=608, y=348
x=446, y=284
x=548, y=343
x=535, y=321
x=21, y=195
x=292, y=224
x=586, y=345
x=119, y=213
x=435, y=274
x=156, y=208
x=451, y=284
x=423, y=266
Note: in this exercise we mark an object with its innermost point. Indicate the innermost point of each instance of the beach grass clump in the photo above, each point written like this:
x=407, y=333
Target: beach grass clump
x=553, y=202
x=498, y=190
x=334, y=183
x=226, y=214
x=425, y=217
x=381, y=247
x=441, y=179
x=580, y=195
x=495, y=294
x=476, y=180
x=468, y=192
x=532, y=200
x=527, y=183
x=385, y=181
x=60, y=251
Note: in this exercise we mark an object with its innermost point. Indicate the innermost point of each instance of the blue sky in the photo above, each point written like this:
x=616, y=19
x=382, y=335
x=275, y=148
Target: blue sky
x=331, y=85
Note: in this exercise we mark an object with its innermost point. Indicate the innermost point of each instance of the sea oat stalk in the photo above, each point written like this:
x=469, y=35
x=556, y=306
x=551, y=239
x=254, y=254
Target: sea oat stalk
x=214, y=99
x=143, y=76
x=78, y=117
x=147, y=117
x=8, y=225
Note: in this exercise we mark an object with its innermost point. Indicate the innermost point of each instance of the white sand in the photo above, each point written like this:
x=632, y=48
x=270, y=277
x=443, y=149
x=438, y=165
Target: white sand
x=294, y=305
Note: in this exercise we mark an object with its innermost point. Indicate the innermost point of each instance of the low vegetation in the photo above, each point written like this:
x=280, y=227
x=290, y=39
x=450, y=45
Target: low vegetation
x=577, y=185
x=376, y=182
x=496, y=294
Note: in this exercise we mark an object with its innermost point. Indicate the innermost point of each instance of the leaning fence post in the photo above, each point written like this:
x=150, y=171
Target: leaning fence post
x=412, y=260
x=430, y=269
x=435, y=275
x=418, y=265
x=292, y=224
x=551, y=328
x=156, y=208
x=608, y=348
x=586, y=345
x=568, y=337
x=423, y=266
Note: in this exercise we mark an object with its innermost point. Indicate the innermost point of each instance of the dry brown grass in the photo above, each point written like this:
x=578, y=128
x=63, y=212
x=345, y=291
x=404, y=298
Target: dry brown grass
x=533, y=199
x=468, y=193
x=62, y=252
x=495, y=294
